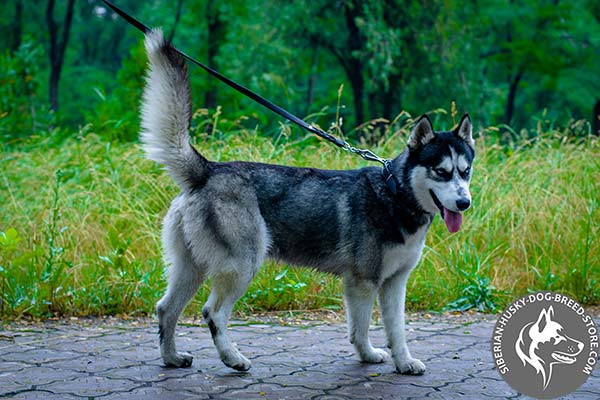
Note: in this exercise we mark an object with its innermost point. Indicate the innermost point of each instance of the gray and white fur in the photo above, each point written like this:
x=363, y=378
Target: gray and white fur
x=230, y=216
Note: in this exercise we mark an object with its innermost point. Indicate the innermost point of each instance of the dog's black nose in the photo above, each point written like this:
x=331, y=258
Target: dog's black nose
x=463, y=204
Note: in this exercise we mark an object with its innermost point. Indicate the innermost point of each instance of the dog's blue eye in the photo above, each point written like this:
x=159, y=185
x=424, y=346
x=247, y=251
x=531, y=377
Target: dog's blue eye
x=442, y=173
x=466, y=172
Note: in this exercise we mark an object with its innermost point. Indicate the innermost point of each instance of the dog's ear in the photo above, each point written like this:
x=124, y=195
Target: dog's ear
x=465, y=130
x=545, y=317
x=421, y=134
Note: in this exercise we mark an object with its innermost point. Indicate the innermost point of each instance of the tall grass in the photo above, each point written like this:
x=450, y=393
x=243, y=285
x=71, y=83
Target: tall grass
x=80, y=226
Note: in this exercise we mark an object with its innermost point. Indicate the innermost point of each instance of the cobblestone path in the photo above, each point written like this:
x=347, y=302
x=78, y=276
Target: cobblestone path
x=59, y=360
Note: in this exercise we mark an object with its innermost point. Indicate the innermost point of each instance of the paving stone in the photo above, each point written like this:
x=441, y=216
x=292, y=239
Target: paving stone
x=380, y=390
x=42, y=395
x=91, y=386
x=269, y=391
x=582, y=395
x=121, y=360
x=145, y=373
x=490, y=373
x=8, y=385
x=440, y=327
x=90, y=364
x=39, y=356
x=9, y=367
x=205, y=383
x=313, y=379
x=360, y=371
x=480, y=388
x=36, y=377
x=153, y=393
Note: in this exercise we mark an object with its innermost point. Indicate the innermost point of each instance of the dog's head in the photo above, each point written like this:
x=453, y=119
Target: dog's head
x=544, y=343
x=439, y=169
x=549, y=341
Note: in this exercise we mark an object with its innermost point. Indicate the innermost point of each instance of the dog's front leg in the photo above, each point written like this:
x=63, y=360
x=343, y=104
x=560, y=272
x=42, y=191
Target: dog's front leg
x=391, y=302
x=360, y=296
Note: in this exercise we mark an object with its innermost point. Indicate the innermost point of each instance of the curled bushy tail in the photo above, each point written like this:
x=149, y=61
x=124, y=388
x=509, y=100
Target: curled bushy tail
x=167, y=112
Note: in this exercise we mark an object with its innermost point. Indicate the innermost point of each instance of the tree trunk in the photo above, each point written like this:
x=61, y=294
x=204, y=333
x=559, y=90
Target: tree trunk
x=17, y=27
x=355, y=66
x=596, y=121
x=177, y=17
x=312, y=78
x=510, y=101
x=215, y=37
x=388, y=102
x=392, y=95
x=358, y=90
x=57, y=48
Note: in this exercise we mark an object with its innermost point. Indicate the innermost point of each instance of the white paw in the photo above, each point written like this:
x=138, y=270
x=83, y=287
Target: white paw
x=411, y=366
x=178, y=360
x=234, y=359
x=374, y=356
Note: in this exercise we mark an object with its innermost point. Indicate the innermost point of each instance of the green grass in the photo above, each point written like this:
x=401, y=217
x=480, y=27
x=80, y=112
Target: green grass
x=80, y=227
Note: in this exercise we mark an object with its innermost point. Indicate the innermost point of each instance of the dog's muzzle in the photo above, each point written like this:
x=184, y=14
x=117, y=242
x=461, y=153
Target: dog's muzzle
x=452, y=219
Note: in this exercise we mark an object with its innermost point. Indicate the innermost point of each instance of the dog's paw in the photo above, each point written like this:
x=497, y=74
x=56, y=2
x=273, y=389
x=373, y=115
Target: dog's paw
x=178, y=360
x=411, y=366
x=374, y=356
x=237, y=361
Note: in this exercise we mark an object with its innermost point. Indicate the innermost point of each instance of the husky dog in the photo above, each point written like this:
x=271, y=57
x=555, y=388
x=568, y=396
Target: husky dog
x=230, y=216
x=544, y=343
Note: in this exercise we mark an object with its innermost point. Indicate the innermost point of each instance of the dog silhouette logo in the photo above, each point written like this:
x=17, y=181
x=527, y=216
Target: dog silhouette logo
x=545, y=345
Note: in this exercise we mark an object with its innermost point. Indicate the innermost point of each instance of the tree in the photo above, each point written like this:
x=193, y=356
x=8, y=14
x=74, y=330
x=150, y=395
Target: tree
x=533, y=42
x=177, y=18
x=596, y=119
x=375, y=43
x=350, y=49
x=17, y=26
x=57, y=48
x=215, y=36
x=333, y=26
x=504, y=61
x=396, y=51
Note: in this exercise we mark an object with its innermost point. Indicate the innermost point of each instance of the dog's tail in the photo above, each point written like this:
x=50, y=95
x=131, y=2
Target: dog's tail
x=167, y=113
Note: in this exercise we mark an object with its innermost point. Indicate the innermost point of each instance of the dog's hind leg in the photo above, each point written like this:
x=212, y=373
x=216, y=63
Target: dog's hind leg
x=360, y=296
x=184, y=278
x=227, y=288
x=239, y=240
x=391, y=302
x=183, y=284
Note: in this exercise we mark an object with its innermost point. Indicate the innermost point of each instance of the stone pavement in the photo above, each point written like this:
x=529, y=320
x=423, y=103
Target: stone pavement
x=108, y=360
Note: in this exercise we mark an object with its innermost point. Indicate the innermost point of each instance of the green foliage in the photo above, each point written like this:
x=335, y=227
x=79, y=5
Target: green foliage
x=86, y=240
x=21, y=112
x=79, y=228
x=503, y=61
x=281, y=293
x=474, y=284
x=116, y=116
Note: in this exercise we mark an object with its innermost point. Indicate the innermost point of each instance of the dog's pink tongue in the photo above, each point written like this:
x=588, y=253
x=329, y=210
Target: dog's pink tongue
x=453, y=220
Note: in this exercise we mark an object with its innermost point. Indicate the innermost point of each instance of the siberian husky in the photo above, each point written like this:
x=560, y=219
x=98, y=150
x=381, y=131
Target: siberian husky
x=230, y=216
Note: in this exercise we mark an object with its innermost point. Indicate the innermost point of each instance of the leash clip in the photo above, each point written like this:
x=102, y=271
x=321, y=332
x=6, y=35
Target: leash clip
x=389, y=178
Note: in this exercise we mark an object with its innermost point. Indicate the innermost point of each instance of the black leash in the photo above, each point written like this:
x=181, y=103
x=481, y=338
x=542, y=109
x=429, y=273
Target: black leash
x=364, y=153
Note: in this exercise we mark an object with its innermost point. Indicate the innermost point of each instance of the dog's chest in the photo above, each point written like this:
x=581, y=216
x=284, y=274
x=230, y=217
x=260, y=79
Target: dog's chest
x=403, y=256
